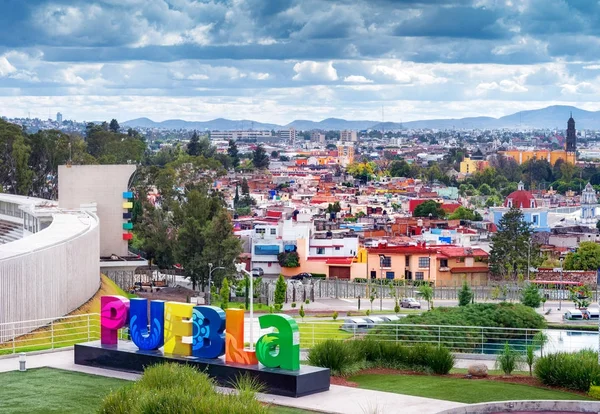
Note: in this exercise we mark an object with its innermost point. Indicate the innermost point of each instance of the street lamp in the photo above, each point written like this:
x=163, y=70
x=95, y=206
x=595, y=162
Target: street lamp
x=210, y=270
x=561, y=285
x=241, y=268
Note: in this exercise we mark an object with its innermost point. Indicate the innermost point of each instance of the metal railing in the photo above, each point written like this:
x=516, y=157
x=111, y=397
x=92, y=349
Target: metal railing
x=460, y=339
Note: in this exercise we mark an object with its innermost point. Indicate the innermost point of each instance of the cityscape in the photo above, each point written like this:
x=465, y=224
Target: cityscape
x=301, y=206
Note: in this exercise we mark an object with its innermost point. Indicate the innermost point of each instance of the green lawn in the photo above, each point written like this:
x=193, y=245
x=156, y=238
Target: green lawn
x=458, y=389
x=50, y=390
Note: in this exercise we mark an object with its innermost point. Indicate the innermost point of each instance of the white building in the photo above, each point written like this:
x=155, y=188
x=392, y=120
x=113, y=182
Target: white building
x=347, y=135
x=288, y=135
x=241, y=134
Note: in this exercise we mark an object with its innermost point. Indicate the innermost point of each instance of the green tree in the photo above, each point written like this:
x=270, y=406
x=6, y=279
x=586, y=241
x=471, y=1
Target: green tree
x=157, y=237
x=193, y=147
x=302, y=313
x=223, y=247
x=399, y=168
x=260, y=158
x=114, y=126
x=512, y=245
x=429, y=207
x=224, y=293
x=245, y=187
x=426, y=292
x=233, y=152
x=280, y=291
x=530, y=296
x=586, y=257
x=581, y=296
x=463, y=213
x=465, y=295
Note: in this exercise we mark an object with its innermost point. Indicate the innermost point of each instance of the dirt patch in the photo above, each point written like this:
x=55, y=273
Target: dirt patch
x=343, y=382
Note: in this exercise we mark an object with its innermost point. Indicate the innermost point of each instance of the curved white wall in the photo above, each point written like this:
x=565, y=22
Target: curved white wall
x=50, y=273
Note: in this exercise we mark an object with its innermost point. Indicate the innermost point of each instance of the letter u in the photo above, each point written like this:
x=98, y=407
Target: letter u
x=143, y=337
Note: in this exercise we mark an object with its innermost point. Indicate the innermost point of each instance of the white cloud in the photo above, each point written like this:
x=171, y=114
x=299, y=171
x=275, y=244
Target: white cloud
x=503, y=86
x=357, y=79
x=6, y=68
x=315, y=71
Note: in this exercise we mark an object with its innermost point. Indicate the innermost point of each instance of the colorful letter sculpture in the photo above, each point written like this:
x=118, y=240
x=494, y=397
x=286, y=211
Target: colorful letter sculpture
x=208, y=324
x=114, y=312
x=209, y=331
x=178, y=324
x=235, y=339
x=280, y=349
x=142, y=337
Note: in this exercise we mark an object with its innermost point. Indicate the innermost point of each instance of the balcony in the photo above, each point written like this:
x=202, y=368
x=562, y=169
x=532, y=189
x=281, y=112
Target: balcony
x=444, y=269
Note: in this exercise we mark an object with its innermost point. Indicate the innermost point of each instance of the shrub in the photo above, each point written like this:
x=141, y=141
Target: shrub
x=578, y=371
x=307, y=301
x=224, y=293
x=335, y=315
x=530, y=296
x=288, y=259
x=508, y=359
x=530, y=358
x=465, y=295
x=301, y=312
x=338, y=356
x=277, y=307
x=594, y=392
x=293, y=304
x=242, y=306
x=174, y=388
x=368, y=312
x=280, y=291
x=440, y=360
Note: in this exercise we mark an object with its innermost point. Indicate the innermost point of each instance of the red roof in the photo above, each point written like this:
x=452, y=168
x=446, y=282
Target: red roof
x=520, y=199
x=276, y=214
x=342, y=261
x=473, y=269
x=400, y=250
x=455, y=251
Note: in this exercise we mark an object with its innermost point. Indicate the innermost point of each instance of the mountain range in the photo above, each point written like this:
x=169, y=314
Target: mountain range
x=550, y=117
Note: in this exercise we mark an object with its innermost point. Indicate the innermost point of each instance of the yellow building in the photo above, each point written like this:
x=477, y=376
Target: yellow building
x=345, y=154
x=551, y=156
x=469, y=165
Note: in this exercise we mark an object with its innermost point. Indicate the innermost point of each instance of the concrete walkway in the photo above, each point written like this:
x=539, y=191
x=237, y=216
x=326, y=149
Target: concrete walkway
x=343, y=400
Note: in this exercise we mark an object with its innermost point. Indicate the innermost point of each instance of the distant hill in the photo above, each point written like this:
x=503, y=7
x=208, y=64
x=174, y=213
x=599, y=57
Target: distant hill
x=550, y=117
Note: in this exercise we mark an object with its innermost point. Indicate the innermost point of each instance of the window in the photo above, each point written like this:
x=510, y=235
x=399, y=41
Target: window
x=419, y=275
x=444, y=263
x=423, y=262
x=337, y=247
x=407, y=261
x=320, y=250
x=385, y=261
x=273, y=231
x=266, y=250
x=260, y=231
x=389, y=275
x=509, y=204
x=535, y=219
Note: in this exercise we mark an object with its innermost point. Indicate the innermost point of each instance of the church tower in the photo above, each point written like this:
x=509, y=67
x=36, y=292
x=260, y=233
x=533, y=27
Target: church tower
x=571, y=136
x=588, y=204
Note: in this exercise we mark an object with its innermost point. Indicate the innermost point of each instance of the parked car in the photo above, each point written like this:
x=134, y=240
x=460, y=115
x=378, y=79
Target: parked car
x=355, y=325
x=258, y=272
x=389, y=318
x=374, y=320
x=302, y=276
x=410, y=303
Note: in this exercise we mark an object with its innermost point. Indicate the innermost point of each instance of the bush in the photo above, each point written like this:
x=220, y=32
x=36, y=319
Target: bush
x=382, y=354
x=577, y=371
x=293, y=304
x=368, y=312
x=277, y=307
x=174, y=388
x=335, y=315
x=508, y=359
x=280, y=291
x=307, y=301
x=530, y=296
x=594, y=392
x=338, y=356
x=465, y=295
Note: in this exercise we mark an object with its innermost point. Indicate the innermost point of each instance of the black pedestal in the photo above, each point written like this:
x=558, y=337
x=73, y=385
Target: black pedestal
x=127, y=357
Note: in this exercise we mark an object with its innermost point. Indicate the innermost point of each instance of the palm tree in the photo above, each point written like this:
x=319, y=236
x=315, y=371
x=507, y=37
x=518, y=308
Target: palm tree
x=426, y=292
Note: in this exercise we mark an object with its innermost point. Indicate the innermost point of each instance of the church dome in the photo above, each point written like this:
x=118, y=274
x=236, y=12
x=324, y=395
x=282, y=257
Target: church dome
x=520, y=198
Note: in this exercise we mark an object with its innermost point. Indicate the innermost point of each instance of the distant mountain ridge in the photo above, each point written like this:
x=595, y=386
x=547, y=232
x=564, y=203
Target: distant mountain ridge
x=550, y=117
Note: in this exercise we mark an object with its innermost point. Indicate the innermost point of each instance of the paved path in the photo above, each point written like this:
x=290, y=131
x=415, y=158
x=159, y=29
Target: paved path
x=343, y=400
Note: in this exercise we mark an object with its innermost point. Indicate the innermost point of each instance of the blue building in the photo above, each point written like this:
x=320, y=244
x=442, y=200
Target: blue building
x=522, y=199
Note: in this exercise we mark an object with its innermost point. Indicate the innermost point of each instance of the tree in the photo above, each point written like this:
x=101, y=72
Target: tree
x=586, y=257
x=288, y=259
x=232, y=151
x=429, y=207
x=399, y=168
x=463, y=213
x=426, y=292
x=114, y=126
x=530, y=296
x=363, y=171
x=236, y=198
x=274, y=154
x=224, y=293
x=465, y=295
x=280, y=292
x=260, y=158
x=580, y=296
x=193, y=147
x=512, y=245
x=302, y=313
x=245, y=187
x=157, y=236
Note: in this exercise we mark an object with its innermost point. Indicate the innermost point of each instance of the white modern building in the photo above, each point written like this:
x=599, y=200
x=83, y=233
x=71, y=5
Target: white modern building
x=241, y=134
x=348, y=136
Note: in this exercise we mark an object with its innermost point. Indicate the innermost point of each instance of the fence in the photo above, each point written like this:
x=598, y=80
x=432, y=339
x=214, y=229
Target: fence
x=75, y=329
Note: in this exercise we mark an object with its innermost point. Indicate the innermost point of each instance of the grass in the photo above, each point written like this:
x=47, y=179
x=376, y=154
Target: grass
x=67, y=331
x=312, y=333
x=49, y=390
x=458, y=389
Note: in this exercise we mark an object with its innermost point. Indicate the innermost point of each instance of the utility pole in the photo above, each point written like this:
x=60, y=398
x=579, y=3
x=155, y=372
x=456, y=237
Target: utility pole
x=210, y=271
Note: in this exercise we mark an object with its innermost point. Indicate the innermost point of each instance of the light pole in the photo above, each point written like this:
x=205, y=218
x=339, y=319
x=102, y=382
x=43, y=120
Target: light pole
x=528, y=257
x=241, y=268
x=561, y=285
x=210, y=270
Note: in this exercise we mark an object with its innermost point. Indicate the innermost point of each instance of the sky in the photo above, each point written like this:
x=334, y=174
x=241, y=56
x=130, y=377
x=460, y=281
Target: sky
x=281, y=60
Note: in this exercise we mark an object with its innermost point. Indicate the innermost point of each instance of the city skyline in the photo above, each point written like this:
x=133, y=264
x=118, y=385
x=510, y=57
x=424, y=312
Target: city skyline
x=280, y=61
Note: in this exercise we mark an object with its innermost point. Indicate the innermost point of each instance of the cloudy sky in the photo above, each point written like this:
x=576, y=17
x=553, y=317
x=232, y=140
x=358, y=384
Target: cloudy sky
x=280, y=60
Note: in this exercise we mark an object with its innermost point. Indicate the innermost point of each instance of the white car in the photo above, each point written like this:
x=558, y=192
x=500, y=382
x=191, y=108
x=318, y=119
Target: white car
x=410, y=303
